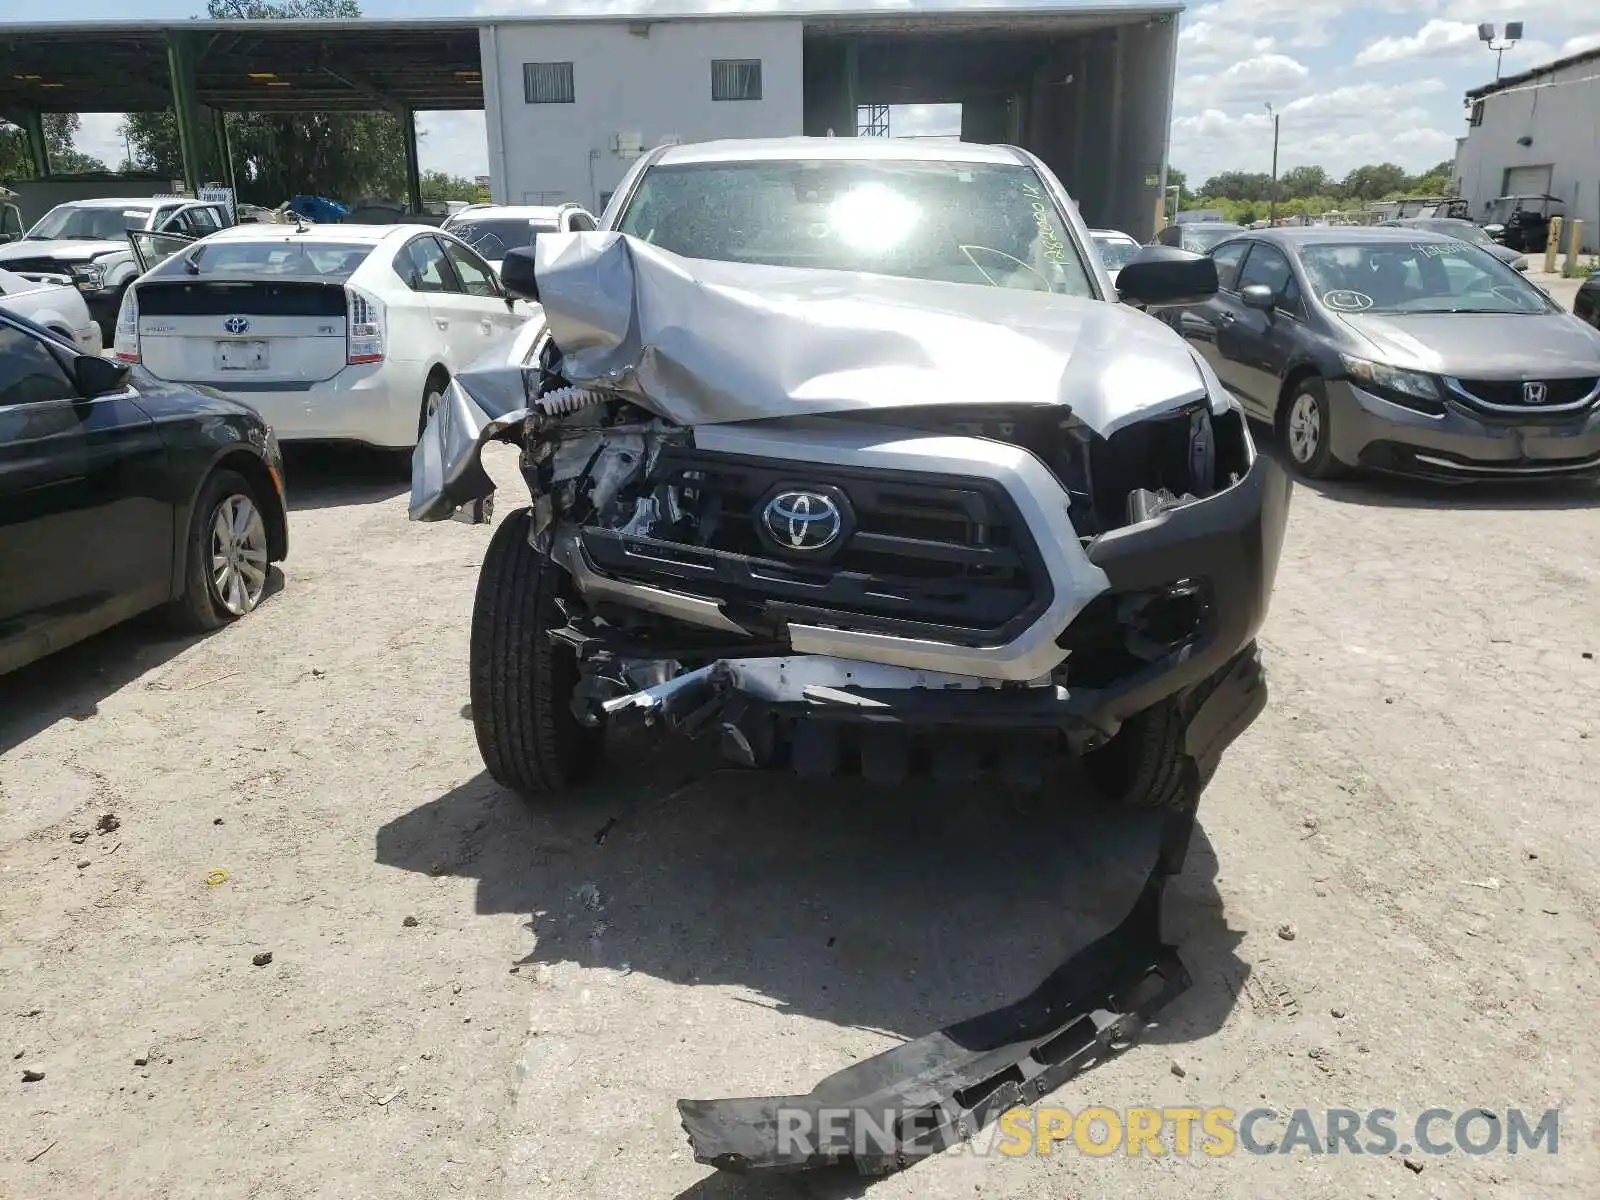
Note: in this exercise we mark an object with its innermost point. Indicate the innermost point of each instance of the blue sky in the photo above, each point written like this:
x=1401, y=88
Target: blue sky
x=1354, y=81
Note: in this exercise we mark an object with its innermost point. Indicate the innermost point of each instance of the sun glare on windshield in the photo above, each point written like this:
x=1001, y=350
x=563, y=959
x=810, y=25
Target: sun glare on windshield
x=873, y=217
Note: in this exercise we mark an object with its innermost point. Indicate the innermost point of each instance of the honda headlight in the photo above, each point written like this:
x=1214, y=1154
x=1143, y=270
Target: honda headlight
x=1394, y=382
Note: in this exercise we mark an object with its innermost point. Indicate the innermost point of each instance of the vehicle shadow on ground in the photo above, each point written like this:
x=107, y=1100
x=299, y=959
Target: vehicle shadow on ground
x=326, y=476
x=1398, y=491
x=73, y=681
x=900, y=910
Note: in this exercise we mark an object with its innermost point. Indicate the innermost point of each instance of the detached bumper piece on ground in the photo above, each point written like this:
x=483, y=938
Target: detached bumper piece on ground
x=887, y=1112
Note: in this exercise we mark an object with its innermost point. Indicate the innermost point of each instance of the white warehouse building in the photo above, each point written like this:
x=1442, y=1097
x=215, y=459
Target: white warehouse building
x=1087, y=85
x=1533, y=134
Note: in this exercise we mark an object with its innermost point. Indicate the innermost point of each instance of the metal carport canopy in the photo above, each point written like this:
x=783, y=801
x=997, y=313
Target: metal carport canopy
x=253, y=66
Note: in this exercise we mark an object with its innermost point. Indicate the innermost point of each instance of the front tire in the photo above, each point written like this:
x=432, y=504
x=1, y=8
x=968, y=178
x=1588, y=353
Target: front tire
x=1144, y=766
x=522, y=681
x=1305, y=429
x=226, y=564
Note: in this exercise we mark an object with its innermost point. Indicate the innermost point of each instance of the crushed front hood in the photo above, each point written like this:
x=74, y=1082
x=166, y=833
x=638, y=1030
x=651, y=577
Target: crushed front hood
x=703, y=343
x=699, y=342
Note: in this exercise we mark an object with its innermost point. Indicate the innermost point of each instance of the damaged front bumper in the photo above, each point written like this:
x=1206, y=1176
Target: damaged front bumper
x=889, y=1111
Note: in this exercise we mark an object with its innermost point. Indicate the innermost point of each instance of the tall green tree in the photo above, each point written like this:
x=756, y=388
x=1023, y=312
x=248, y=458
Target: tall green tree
x=60, y=130
x=1374, y=181
x=1298, y=182
x=276, y=155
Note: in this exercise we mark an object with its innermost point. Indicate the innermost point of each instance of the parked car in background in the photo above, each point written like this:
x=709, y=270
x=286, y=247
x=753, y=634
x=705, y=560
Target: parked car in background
x=492, y=229
x=1467, y=232
x=1586, y=304
x=119, y=494
x=1400, y=350
x=333, y=332
x=58, y=307
x=10, y=218
x=1116, y=249
x=85, y=243
x=1522, y=222
x=1197, y=236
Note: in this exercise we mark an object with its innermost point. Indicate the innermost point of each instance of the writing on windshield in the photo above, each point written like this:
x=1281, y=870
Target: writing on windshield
x=1419, y=277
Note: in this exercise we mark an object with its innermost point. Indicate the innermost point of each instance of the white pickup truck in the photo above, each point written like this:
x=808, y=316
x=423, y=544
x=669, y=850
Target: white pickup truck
x=84, y=243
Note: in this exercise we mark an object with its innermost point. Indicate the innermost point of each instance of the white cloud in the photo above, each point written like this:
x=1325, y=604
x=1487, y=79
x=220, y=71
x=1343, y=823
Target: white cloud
x=1436, y=39
x=97, y=137
x=1577, y=45
x=1338, y=130
x=1264, y=77
x=924, y=120
x=453, y=142
x=1201, y=42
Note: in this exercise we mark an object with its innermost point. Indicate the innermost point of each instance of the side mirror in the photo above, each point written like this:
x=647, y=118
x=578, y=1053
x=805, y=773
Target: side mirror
x=9, y=237
x=1167, y=277
x=1258, y=295
x=96, y=376
x=516, y=273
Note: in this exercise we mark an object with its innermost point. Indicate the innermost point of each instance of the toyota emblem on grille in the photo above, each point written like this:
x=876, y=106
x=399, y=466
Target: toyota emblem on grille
x=1534, y=392
x=805, y=522
x=236, y=325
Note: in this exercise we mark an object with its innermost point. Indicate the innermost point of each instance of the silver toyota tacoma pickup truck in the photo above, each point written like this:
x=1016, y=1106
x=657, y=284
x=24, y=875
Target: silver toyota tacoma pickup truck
x=848, y=453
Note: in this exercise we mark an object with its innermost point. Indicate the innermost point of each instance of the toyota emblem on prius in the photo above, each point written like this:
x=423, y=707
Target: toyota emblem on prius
x=803, y=521
x=237, y=325
x=1534, y=392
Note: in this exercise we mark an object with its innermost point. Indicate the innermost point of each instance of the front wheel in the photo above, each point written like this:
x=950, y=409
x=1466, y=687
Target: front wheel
x=522, y=681
x=1305, y=425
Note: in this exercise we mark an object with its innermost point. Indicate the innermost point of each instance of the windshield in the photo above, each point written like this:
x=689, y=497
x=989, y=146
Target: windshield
x=1201, y=240
x=335, y=261
x=492, y=237
x=1422, y=277
x=979, y=223
x=68, y=222
x=1116, y=252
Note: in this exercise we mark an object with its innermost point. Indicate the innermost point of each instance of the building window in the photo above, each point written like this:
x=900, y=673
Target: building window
x=736, y=79
x=1477, y=113
x=547, y=83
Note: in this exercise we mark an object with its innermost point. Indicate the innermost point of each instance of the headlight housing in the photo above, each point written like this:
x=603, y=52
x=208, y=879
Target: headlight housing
x=88, y=277
x=1410, y=389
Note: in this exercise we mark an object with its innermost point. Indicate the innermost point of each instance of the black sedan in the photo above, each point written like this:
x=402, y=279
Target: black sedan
x=1400, y=350
x=120, y=494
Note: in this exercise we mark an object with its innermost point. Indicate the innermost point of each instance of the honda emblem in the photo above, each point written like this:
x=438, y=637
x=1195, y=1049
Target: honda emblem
x=1534, y=392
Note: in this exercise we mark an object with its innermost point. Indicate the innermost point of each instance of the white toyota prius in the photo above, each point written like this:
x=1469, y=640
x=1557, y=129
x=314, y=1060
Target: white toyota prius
x=331, y=332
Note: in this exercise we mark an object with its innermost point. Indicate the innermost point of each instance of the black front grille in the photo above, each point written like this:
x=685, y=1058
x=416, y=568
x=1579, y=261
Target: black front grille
x=36, y=266
x=929, y=555
x=1509, y=393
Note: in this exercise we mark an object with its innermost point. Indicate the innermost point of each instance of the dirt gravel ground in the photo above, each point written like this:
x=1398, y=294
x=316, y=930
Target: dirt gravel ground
x=467, y=999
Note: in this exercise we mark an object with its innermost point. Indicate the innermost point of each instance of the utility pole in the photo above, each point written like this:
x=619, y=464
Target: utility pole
x=1272, y=198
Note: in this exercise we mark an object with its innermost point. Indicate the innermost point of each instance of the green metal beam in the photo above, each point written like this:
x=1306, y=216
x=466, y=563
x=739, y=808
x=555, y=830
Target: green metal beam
x=225, y=152
x=408, y=134
x=180, y=75
x=33, y=127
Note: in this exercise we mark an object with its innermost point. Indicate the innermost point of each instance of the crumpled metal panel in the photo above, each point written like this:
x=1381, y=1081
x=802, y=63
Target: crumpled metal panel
x=700, y=342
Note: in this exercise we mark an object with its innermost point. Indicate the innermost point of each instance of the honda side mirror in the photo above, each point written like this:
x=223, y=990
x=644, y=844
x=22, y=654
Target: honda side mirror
x=1258, y=295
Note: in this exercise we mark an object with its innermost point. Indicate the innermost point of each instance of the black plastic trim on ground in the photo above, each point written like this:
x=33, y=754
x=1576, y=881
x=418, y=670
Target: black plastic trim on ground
x=896, y=1108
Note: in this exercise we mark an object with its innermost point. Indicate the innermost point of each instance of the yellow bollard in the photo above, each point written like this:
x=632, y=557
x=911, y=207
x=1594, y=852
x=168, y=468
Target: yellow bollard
x=1552, y=246
x=1575, y=245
